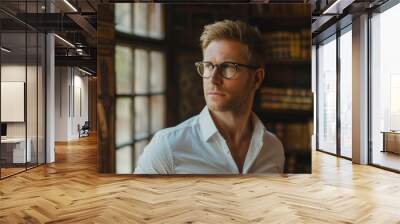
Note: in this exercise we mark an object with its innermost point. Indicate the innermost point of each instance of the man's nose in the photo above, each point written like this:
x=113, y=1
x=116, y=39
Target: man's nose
x=216, y=76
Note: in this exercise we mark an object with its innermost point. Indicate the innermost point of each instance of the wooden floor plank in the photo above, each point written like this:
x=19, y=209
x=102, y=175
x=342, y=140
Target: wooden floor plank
x=71, y=191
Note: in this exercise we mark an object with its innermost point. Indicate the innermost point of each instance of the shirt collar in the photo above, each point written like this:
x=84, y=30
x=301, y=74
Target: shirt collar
x=208, y=127
x=207, y=124
x=259, y=127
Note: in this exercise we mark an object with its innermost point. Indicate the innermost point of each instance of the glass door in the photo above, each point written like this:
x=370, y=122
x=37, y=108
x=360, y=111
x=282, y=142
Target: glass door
x=15, y=151
x=22, y=88
x=385, y=89
x=326, y=95
x=345, y=42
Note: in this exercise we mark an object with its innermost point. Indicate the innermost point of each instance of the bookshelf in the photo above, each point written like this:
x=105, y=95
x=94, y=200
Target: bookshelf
x=284, y=102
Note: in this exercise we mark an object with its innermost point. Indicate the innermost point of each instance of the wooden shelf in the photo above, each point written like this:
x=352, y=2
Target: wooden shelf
x=284, y=115
x=277, y=23
x=288, y=62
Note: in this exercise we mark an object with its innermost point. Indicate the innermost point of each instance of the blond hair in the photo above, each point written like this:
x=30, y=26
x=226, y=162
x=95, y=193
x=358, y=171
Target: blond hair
x=236, y=31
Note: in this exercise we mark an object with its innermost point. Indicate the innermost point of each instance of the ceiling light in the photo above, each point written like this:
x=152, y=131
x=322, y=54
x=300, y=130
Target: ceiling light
x=331, y=7
x=70, y=5
x=5, y=50
x=65, y=41
x=79, y=51
x=86, y=72
x=337, y=7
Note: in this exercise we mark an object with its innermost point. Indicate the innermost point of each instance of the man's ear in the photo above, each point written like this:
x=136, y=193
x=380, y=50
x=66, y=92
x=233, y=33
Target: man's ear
x=259, y=77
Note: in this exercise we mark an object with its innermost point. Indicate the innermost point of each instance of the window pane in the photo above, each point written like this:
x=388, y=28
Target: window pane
x=124, y=69
x=140, y=12
x=13, y=71
x=142, y=117
x=385, y=88
x=346, y=94
x=139, y=146
x=41, y=99
x=156, y=21
x=157, y=72
x=31, y=100
x=157, y=113
x=123, y=17
x=141, y=71
x=327, y=96
x=124, y=160
x=124, y=130
x=394, y=102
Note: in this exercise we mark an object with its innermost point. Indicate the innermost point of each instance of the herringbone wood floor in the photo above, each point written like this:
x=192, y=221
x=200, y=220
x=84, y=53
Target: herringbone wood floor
x=70, y=191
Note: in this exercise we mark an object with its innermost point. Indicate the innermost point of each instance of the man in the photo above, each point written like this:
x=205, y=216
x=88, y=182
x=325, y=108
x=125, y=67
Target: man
x=226, y=137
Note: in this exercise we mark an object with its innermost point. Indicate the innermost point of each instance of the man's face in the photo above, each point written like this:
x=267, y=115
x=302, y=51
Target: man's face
x=228, y=94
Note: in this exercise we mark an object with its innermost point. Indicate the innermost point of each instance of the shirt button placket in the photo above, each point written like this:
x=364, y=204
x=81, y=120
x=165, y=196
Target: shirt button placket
x=232, y=163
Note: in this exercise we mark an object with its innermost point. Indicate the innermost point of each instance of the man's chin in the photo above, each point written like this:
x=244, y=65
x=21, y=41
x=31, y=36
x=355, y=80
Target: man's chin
x=218, y=107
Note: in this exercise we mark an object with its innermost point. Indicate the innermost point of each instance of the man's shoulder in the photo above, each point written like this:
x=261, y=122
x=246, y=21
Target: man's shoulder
x=182, y=128
x=270, y=135
x=272, y=140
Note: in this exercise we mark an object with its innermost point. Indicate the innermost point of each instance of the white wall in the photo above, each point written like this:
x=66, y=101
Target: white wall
x=13, y=73
x=16, y=73
x=33, y=126
x=61, y=103
x=71, y=94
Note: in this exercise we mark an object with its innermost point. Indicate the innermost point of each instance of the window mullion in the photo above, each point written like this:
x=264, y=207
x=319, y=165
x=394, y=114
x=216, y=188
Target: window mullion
x=338, y=73
x=133, y=98
x=149, y=98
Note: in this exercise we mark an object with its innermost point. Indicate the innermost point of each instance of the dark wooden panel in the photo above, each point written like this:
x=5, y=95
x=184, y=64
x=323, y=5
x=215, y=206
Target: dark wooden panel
x=93, y=103
x=106, y=89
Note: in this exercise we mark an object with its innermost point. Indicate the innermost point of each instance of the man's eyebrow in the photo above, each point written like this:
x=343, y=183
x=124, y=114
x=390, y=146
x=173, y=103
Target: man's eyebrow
x=234, y=62
x=227, y=61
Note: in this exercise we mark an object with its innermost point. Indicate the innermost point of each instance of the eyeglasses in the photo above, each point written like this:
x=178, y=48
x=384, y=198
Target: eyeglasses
x=228, y=69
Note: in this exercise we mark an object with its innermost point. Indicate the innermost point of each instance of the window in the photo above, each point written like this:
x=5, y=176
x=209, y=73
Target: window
x=140, y=19
x=346, y=93
x=385, y=88
x=123, y=17
x=335, y=108
x=140, y=80
x=327, y=95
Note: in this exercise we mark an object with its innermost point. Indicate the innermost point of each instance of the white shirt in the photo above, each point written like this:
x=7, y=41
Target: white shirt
x=196, y=147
